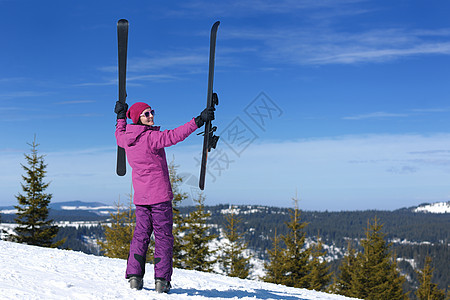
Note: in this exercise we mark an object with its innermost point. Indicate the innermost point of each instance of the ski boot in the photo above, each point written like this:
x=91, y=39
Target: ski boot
x=162, y=285
x=136, y=282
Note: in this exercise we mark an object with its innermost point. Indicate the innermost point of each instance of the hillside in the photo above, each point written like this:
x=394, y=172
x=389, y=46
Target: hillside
x=30, y=272
x=414, y=232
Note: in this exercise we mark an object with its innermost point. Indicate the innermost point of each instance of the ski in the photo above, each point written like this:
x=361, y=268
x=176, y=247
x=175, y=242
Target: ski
x=122, y=38
x=209, y=140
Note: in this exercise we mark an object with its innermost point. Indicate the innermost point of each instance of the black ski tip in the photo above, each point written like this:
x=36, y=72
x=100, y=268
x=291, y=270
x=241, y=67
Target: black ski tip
x=121, y=167
x=215, y=25
x=122, y=22
x=121, y=172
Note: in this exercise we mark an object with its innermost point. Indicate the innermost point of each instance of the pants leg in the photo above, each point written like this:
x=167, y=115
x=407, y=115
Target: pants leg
x=139, y=243
x=162, y=217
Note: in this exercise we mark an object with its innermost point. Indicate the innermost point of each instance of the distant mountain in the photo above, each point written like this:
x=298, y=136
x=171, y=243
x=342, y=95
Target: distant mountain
x=7, y=210
x=102, y=209
x=68, y=211
x=95, y=207
x=435, y=208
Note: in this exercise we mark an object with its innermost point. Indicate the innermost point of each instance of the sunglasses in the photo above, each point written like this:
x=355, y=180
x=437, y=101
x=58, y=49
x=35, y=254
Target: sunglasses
x=147, y=113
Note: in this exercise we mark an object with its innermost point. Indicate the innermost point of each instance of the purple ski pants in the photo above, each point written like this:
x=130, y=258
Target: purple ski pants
x=156, y=218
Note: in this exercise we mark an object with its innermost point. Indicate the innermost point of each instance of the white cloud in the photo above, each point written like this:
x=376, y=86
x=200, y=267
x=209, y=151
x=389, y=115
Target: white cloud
x=85, y=174
x=336, y=173
x=13, y=80
x=376, y=115
x=22, y=94
x=261, y=7
x=377, y=53
x=359, y=172
x=321, y=46
x=75, y=102
x=431, y=110
x=384, y=115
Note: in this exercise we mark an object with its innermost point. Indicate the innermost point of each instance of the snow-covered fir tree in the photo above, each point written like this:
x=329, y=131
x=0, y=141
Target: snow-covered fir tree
x=118, y=236
x=233, y=261
x=289, y=265
x=274, y=267
x=319, y=274
x=34, y=227
x=428, y=290
x=372, y=273
x=197, y=254
x=178, y=221
x=342, y=283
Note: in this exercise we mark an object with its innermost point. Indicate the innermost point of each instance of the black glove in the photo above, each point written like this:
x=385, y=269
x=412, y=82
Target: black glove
x=206, y=115
x=121, y=110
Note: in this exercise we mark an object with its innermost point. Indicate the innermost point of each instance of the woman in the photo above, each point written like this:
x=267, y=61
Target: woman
x=144, y=146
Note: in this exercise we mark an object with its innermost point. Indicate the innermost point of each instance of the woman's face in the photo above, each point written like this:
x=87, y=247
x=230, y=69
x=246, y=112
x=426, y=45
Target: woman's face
x=147, y=120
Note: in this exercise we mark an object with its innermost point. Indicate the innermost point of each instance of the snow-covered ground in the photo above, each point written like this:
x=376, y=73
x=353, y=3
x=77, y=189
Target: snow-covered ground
x=29, y=272
x=436, y=208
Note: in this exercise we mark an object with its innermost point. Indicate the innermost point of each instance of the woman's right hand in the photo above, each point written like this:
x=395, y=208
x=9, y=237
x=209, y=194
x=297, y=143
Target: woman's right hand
x=121, y=110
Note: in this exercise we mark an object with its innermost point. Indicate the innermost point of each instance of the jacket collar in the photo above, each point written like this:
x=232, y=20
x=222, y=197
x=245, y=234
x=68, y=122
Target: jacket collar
x=147, y=127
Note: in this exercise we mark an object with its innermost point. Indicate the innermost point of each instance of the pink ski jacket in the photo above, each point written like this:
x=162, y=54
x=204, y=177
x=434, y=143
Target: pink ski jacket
x=144, y=146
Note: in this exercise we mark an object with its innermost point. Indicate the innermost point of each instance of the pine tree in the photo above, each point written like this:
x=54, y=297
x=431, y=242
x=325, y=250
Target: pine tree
x=34, y=227
x=292, y=261
x=296, y=268
x=319, y=275
x=428, y=290
x=233, y=261
x=178, y=221
x=118, y=236
x=3, y=234
x=197, y=253
x=343, y=283
x=376, y=275
x=274, y=266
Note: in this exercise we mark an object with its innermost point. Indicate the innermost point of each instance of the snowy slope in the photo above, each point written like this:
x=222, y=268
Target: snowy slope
x=28, y=272
x=436, y=208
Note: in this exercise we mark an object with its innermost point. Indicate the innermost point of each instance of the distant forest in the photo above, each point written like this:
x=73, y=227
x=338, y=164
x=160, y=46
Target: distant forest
x=413, y=235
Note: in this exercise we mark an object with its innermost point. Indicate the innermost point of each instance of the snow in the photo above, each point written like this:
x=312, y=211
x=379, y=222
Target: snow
x=236, y=210
x=436, y=208
x=6, y=229
x=30, y=272
x=101, y=210
x=9, y=211
x=84, y=207
x=78, y=224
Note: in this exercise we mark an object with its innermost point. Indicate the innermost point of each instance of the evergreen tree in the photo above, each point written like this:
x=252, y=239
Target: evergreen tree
x=292, y=261
x=118, y=236
x=296, y=267
x=319, y=275
x=343, y=283
x=428, y=290
x=34, y=227
x=3, y=234
x=197, y=253
x=178, y=221
x=233, y=261
x=376, y=275
x=274, y=266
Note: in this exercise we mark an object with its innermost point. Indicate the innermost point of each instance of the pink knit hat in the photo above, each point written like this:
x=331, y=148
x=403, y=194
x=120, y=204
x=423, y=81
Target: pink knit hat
x=135, y=111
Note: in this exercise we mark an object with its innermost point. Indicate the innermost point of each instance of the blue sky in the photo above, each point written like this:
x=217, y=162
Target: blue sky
x=345, y=103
